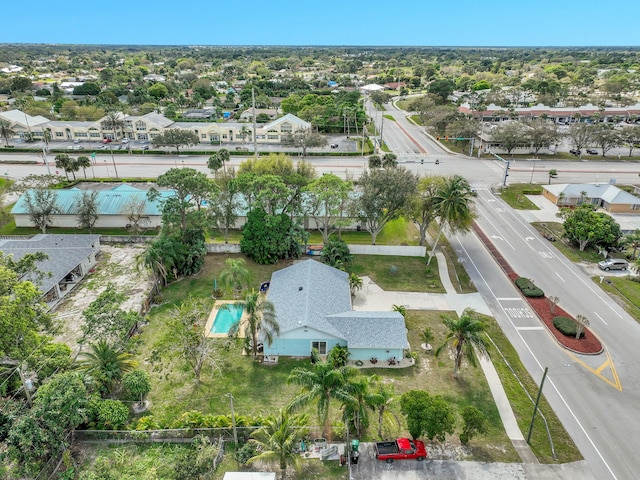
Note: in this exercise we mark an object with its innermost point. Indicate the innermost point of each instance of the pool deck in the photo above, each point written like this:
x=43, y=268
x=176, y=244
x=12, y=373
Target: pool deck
x=212, y=317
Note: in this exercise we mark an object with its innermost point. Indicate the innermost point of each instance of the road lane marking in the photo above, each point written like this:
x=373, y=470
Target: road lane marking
x=558, y=275
x=505, y=299
x=602, y=319
x=608, y=364
x=529, y=328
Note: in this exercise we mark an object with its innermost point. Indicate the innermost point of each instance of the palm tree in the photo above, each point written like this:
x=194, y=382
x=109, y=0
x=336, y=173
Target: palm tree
x=632, y=240
x=381, y=403
x=235, y=276
x=83, y=162
x=453, y=207
x=63, y=161
x=322, y=383
x=355, y=283
x=278, y=439
x=106, y=364
x=244, y=132
x=6, y=131
x=260, y=319
x=465, y=335
x=113, y=121
x=363, y=399
x=218, y=160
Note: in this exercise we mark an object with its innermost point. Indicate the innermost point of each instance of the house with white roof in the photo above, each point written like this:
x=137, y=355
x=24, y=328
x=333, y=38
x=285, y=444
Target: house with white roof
x=313, y=309
x=603, y=195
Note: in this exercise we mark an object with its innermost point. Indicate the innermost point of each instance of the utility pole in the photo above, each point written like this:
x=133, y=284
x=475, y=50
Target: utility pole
x=233, y=418
x=253, y=105
x=535, y=407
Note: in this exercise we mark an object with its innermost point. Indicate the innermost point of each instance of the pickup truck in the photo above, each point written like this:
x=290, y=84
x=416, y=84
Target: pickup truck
x=400, y=449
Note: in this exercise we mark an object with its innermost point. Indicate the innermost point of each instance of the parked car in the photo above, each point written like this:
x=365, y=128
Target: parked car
x=613, y=264
x=400, y=449
x=592, y=151
x=125, y=140
x=145, y=147
x=334, y=145
x=573, y=151
x=106, y=140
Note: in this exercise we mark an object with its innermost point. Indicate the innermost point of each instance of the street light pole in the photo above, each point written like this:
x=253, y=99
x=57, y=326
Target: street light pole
x=533, y=170
x=535, y=407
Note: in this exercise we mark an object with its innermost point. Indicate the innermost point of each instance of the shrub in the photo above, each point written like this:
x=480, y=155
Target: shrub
x=393, y=270
x=528, y=288
x=567, y=326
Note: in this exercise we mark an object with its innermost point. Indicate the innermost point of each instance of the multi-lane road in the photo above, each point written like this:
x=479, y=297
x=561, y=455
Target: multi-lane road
x=596, y=397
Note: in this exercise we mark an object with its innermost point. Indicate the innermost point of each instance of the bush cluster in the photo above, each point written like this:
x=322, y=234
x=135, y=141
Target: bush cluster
x=567, y=326
x=528, y=288
x=195, y=419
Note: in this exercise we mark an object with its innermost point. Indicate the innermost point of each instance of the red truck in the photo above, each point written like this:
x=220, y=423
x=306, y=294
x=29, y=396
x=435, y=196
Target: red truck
x=401, y=449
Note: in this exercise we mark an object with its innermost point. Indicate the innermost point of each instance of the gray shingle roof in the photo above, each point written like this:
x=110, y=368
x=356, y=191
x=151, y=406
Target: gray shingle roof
x=315, y=295
x=371, y=329
x=65, y=253
x=305, y=293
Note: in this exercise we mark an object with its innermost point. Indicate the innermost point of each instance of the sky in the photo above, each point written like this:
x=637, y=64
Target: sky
x=329, y=22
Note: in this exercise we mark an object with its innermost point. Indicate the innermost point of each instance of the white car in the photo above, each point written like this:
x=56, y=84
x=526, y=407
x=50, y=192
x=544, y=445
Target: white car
x=125, y=140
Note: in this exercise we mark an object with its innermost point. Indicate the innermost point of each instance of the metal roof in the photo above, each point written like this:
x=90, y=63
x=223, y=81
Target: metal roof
x=110, y=202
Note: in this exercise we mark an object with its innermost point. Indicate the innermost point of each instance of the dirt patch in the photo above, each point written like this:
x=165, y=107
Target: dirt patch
x=116, y=264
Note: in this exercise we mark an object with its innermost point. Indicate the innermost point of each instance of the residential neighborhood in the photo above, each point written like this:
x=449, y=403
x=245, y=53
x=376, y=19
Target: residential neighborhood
x=248, y=262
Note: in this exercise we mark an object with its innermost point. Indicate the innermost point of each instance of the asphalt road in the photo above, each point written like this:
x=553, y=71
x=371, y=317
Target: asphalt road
x=596, y=396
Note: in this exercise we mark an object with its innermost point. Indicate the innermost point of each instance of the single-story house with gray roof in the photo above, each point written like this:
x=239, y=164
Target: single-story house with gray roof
x=313, y=309
x=70, y=258
x=603, y=195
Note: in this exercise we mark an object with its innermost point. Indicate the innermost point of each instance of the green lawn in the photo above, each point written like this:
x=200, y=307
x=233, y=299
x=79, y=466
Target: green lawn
x=556, y=230
x=514, y=195
x=260, y=389
x=396, y=232
x=626, y=291
x=402, y=274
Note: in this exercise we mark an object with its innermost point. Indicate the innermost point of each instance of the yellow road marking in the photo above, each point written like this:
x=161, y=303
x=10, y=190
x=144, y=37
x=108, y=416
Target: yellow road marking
x=608, y=363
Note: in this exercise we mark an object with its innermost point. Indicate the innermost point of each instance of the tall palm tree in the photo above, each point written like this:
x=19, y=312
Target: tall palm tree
x=322, y=383
x=260, y=319
x=235, y=276
x=6, y=131
x=363, y=399
x=106, y=364
x=113, y=121
x=278, y=438
x=83, y=162
x=218, y=160
x=453, y=207
x=465, y=335
x=63, y=161
x=382, y=402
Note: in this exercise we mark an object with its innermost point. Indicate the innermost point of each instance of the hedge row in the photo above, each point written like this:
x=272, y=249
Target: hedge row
x=528, y=288
x=195, y=419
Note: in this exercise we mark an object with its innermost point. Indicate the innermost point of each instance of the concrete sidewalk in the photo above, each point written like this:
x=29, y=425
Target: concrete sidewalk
x=371, y=297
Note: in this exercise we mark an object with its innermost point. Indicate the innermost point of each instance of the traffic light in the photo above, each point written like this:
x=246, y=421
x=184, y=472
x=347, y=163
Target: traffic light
x=437, y=162
x=422, y=161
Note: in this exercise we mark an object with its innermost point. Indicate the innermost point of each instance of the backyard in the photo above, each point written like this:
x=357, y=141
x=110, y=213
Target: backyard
x=260, y=389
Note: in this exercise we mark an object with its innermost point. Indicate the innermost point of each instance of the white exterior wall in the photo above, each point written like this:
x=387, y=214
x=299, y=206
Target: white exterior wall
x=104, y=221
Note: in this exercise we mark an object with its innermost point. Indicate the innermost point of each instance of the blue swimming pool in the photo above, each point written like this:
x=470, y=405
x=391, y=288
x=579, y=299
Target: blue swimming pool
x=226, y=317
